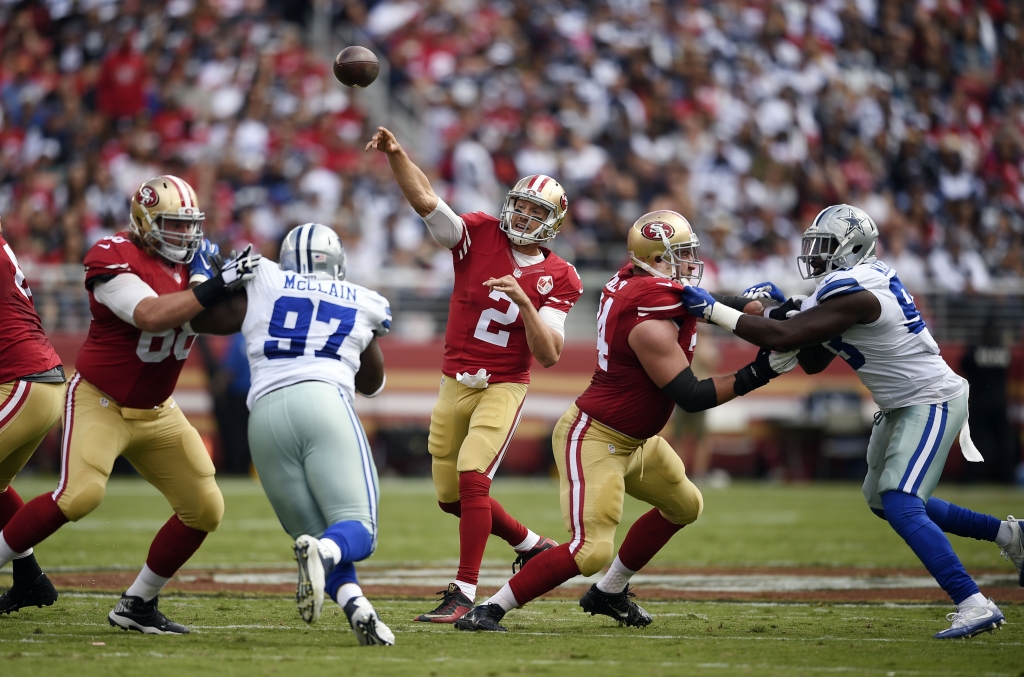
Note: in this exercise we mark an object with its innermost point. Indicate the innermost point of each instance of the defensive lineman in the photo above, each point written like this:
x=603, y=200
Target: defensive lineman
x=311, y=338
x=119, y=403
x=31, y=399
x=607, y=444
x=509, y=306
x=861, y=311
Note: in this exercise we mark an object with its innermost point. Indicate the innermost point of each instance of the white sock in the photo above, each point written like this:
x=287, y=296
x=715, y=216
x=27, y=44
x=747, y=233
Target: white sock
x=346, y=592
x=528, y=542
x=616, y=578
x=148, y=585
x=977, y=599
x=7, y=554
x=504, y=598
x=1005, y=534
x=468, y=589
x=24, y=554
x=331, y=549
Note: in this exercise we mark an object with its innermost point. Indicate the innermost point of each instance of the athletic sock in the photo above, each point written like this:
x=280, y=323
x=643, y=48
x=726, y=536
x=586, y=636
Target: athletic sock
x=26, y=569
x=147, y=585
x=330, y=552
x=527, y=543
x=617, y=577
x=907, y=516
x=468, y=589
x=504, y=598
x=1004, y=535
x=507, y=528
x=10, y=503
x=474, y=525
x=174, y=544
x=645, y=538
x=342, y=575
x=36, y=521
x=353, y=541
x=976, y=599
x=954, y=519
x=547, y=571
x=346, y=592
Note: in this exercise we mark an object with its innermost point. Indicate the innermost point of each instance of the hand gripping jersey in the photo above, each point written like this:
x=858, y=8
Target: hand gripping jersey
x=24, y=349
x=621, y=395
x=895, y=356
x=484, y=328
x=137, y=368
x=300, y=328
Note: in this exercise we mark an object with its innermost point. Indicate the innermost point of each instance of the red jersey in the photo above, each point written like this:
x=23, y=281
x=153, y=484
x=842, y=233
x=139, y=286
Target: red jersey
x=484, y=329
x=24, y=349
x=621, y=395
x=138, y=369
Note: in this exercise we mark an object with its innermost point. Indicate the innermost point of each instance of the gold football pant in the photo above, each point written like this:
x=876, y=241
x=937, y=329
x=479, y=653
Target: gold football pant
x=470, y=429
x=597, y=466
x=159, y=442
x=27, y=412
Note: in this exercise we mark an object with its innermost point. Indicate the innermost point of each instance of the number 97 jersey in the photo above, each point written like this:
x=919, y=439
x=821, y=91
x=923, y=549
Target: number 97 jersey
x=301, y=328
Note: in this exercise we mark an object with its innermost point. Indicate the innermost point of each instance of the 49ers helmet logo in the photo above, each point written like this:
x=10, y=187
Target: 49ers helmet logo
x=655, y=231
x=563, y=202
x=147, y=197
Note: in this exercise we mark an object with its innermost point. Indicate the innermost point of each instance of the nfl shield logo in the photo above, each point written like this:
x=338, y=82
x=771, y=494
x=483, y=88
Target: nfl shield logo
x=545, y=284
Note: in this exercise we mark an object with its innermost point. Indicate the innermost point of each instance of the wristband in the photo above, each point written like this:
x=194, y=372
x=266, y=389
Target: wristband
x=211, y=291
x=724, y=316
x=750, y=378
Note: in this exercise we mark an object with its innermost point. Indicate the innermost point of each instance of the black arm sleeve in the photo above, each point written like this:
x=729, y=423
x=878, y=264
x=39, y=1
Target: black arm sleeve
x=734, y=302
x=690, y=394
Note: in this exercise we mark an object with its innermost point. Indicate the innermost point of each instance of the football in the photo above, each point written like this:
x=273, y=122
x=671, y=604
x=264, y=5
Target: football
x=356, y=67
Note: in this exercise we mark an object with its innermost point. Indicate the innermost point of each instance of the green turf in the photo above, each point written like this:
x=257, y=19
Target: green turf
x=747, y=523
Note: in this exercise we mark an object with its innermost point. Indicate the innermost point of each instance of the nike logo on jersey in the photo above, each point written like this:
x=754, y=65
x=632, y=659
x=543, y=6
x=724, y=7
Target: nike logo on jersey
x=664, y=284
x=115, y=266
x=104, y=246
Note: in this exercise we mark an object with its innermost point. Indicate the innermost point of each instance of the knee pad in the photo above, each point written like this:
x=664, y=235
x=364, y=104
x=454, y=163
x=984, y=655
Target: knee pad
x=594, y=556
x=904, y=512
x=88, y=497
x=354, y=539
x=211, y=510
x=687, y=505
x=454, y=508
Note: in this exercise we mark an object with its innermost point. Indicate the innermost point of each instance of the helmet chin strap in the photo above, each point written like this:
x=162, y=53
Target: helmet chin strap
x=650, y=269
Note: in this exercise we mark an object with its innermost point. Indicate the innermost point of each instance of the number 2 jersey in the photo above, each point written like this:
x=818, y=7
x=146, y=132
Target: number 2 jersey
x=300, y=328
x=895, y=356
x=485, y=330
x=137, y=368
x=24, y=349
x=621, y=395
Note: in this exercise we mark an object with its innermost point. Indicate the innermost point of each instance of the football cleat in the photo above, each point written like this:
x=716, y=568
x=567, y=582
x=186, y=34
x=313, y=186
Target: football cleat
x=483, y=617
x=1014, y=551
x=39, y=593
x=973, y=620
x=133, y=613
x=617, y=605
x=454, y=605
x=525, y=556
x=367, y=626
x=309, y=592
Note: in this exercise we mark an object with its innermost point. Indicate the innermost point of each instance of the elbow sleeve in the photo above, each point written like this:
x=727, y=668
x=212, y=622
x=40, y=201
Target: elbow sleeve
x=690, y=394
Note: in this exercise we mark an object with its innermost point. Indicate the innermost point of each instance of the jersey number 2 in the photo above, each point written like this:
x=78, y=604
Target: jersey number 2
x=300, y=313
x=500, y=337
x=19, y=277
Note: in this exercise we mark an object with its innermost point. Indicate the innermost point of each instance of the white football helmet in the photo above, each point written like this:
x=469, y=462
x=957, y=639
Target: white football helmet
x=313, y=249
x=839, y=238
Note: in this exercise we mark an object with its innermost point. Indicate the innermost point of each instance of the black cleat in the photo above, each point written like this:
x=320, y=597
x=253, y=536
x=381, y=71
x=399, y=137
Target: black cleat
x=39, y=593
x=524, y=557
x=454, y=605
x=132, y=613
x=483, y=617
x=617, y=605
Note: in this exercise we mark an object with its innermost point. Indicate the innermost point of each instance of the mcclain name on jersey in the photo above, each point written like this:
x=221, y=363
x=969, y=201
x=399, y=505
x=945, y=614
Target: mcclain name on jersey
x=339, y=290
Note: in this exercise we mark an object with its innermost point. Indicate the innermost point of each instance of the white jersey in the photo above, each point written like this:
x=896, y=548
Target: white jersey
x=300, y=328
x=895, y=356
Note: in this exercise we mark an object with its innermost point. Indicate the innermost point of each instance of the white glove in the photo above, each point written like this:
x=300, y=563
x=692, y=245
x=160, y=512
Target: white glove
x=477, y=380
x=783, y=362
x=240, y=268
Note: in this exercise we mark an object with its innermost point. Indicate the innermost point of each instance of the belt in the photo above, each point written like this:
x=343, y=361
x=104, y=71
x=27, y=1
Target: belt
x=55, y=375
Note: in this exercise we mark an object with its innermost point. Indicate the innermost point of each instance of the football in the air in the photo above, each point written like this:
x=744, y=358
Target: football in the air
x=356, y=67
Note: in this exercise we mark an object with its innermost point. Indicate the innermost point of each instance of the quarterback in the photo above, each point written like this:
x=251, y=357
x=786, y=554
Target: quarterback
x=861, y=312
x=31, y=399
x=119, y=401
x=307, y=443
x=607, y=445
x=508, y=307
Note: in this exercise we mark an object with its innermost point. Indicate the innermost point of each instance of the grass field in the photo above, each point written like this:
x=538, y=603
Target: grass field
x=745, y=525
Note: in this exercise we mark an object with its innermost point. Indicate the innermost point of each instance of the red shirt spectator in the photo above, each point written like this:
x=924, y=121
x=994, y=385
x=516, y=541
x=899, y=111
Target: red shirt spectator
x=119, y=92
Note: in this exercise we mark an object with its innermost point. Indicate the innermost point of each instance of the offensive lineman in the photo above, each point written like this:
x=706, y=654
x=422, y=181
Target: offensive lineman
x=862, y=312
x=607, y=444
x=509, y=306
x=307, y=443
x=31, y=395
x=118, y=403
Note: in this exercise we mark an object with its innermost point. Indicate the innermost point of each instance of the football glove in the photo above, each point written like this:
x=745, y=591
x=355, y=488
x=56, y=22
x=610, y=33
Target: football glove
x=787, y=310
x=200, y=269
x=700, y=303
x=764, y=290
x=766, y=366
x=239, y=268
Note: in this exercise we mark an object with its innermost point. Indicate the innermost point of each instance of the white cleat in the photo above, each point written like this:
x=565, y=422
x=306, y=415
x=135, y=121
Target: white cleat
x=973, y=620
x=367, y=626
x=309, y=593
x=1014, y=550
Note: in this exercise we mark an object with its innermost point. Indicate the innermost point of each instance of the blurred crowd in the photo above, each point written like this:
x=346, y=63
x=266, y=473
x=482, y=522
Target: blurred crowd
x=747, y=116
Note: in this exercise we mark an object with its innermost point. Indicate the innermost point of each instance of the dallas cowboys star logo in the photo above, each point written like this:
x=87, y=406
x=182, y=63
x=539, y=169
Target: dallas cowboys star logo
x=853, y=224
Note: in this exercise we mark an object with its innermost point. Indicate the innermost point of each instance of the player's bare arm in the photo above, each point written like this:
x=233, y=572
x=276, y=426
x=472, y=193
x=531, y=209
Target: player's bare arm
x=545, y=343
x=812, y=327
x=224, y=318
x=815, y=359
x=411, y=179
x=370, y=377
